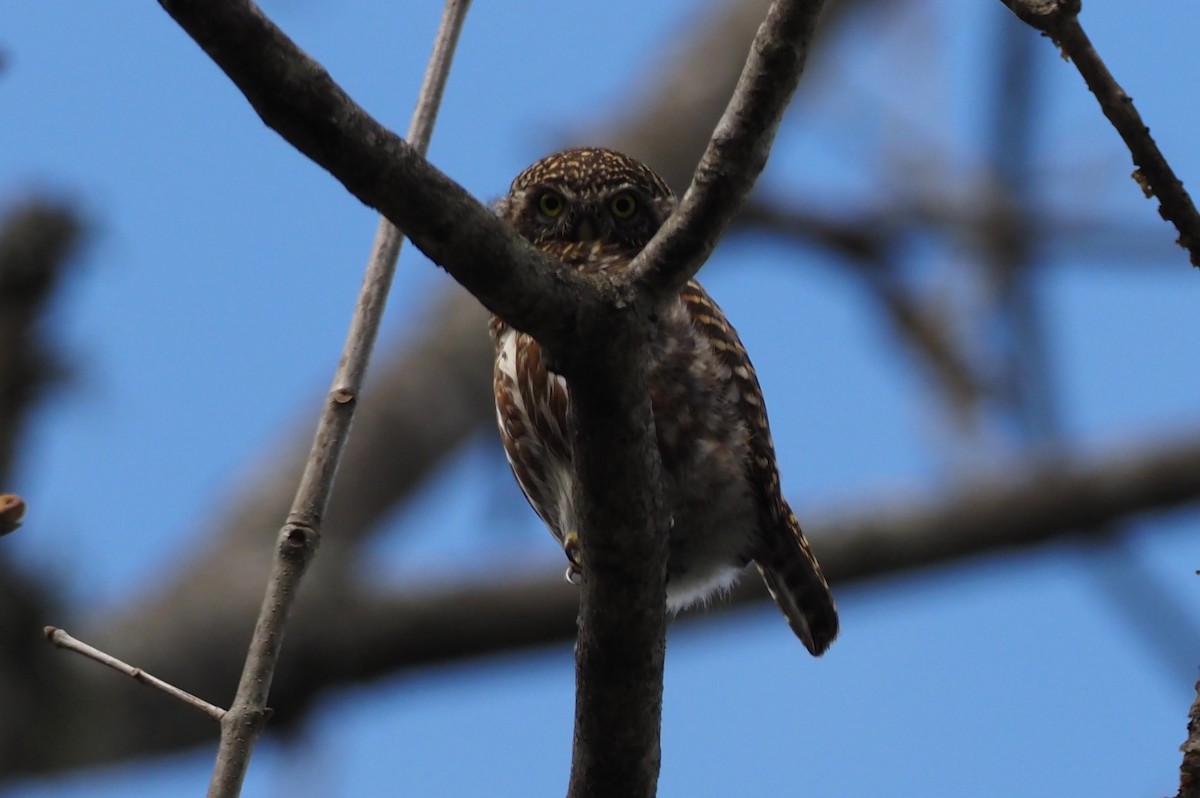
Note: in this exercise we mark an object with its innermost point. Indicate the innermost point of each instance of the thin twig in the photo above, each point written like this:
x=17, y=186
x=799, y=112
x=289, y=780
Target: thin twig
x=385, y=251
x=300, y=535
x=63, y=640
x=1059, y=20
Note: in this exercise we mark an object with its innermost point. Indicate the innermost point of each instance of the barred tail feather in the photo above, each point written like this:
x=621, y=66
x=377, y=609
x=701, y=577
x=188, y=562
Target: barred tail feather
x=795, y=582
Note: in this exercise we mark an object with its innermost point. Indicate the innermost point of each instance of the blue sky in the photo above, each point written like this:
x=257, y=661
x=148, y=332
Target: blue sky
x=217, y=285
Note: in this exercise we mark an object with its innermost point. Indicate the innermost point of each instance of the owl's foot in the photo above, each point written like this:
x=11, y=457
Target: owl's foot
x=571, y=548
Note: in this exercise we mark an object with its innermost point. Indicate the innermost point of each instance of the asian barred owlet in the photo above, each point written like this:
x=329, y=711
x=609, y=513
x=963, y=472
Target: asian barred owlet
x=594, y=210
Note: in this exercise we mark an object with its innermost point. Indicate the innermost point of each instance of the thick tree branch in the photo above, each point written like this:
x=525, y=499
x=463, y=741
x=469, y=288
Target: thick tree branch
x=298, y=99
x=1036, y=501
x=1059, y=19
x=621, y=646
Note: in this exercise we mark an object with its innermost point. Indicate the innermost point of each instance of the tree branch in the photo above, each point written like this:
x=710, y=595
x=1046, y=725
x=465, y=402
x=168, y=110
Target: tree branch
x=737, y=152
x=621, y=646
x=1059, y=19
x=63, y=640
x=1036, y=501
x=298, y=99
x=298, y=540
x=620, y=652
x=868, y=248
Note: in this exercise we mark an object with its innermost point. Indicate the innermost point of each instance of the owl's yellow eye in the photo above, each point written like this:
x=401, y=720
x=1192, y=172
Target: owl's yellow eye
x=550, y=204
x=623, y=205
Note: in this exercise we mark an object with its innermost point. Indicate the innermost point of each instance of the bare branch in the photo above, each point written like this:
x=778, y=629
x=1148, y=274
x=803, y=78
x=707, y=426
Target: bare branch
x=737, y=152
x=63, y=640
x=1059, y=20
x=298, y=99
x=669, y=123
x=621, y=647
x=300, y=536
x=1036, y=501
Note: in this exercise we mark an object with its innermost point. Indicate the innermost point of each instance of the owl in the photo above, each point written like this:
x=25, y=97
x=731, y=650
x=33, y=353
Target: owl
x=594, y=210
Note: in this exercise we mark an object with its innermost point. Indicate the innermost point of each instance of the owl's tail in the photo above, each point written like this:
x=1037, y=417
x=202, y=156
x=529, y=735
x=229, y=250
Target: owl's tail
x=795, y=581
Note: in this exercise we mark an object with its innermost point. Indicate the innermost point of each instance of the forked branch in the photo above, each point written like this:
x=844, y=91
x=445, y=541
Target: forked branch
x=1059, y=19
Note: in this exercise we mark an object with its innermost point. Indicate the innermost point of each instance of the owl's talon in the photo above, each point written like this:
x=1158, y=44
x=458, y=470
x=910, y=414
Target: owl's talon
x=573, y=575
x=571, y=549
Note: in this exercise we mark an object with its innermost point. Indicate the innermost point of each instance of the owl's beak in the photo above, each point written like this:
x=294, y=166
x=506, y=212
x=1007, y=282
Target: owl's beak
x=586, y=229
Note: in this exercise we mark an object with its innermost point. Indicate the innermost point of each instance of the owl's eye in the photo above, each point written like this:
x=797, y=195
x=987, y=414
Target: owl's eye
x=623, y=205
x=550, y=204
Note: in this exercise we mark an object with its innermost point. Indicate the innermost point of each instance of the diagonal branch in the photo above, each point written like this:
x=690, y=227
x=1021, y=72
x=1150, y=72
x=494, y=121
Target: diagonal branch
x=298, y=99
x=242, y=725
x=1059, y=19
x=63, y=640
x=737, y=152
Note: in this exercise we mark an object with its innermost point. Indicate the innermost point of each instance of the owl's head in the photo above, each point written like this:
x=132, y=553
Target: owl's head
x=569, y=202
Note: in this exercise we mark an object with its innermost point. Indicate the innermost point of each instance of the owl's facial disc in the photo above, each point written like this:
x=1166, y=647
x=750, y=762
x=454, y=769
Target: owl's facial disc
x=601, y=218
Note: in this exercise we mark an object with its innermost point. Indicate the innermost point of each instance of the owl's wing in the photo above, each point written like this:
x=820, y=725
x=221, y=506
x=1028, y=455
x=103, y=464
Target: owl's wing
x=784, y=558
x=531, y=410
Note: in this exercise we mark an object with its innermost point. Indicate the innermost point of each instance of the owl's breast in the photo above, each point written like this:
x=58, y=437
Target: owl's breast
x=704, y=444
